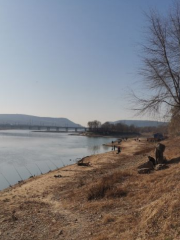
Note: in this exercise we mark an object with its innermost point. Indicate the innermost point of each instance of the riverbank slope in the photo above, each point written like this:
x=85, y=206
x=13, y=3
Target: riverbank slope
x=107, y=200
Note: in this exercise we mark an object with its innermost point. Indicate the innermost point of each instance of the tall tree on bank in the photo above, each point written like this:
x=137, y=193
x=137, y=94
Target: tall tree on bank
x=161, y=63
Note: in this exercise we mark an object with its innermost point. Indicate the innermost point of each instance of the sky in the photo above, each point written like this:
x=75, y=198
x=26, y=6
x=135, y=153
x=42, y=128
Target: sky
x=76, y=59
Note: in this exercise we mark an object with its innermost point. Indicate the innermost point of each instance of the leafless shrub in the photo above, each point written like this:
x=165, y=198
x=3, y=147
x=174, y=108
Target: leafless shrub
x=98, y=190
x=116, y=192
x=106, y=186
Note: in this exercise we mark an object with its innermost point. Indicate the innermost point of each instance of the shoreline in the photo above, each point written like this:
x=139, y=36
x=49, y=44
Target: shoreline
x=56, y=205
x=31, y=178
x=49, y=161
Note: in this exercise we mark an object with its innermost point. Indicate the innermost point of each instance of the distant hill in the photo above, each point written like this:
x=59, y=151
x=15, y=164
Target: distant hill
x=141, y=123
x=34, y=120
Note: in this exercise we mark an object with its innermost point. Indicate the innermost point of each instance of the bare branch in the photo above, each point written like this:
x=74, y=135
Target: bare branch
x=161, y=63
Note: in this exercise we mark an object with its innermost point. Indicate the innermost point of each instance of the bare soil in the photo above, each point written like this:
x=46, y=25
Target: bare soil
x=107, y=200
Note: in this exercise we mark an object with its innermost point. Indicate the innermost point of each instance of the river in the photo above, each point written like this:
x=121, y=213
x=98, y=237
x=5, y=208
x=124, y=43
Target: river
x=24, y=153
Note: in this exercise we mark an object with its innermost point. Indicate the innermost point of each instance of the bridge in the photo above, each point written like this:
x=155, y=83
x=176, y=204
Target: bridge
x=43, y=128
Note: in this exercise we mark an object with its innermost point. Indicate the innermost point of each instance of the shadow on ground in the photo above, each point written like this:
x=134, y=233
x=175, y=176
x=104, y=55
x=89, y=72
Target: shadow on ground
x=174, y=160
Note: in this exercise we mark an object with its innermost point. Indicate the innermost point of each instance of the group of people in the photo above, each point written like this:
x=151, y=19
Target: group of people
x=137, y=139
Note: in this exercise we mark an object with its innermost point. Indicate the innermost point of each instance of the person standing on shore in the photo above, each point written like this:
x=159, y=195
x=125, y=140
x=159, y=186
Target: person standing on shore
x=119, y=150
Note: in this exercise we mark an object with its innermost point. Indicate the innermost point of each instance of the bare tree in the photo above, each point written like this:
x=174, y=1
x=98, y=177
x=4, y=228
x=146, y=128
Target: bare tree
x=90, y=125
x=161, y=63
x=174, y=125
x=94, y=125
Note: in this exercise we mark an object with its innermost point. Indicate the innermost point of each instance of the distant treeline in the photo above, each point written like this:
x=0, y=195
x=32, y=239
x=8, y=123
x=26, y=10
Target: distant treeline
x=107, y=128
x=160, y=129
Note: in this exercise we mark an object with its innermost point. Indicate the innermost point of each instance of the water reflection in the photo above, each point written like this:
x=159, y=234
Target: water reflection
x=94, y=149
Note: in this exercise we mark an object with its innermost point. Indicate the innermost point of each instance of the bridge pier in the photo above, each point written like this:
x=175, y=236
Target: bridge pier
x=66, y=129
x=57, y=129
x=48, y=128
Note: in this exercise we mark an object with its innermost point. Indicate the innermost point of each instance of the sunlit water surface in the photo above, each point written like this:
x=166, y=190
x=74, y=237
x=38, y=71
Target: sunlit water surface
x=24, y=153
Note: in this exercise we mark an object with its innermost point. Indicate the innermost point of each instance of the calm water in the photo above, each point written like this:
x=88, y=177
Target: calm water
x=24, y=153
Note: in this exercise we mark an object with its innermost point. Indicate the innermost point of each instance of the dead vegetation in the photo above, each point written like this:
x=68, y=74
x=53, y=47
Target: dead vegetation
x=107, y=186
x=102, y=202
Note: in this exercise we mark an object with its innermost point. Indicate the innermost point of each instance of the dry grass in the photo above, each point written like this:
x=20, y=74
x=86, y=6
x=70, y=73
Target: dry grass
x=101, y=237
x=138, y=206
x=116, y=192
x=108, y=218
x=145, y=150
x=107, y=186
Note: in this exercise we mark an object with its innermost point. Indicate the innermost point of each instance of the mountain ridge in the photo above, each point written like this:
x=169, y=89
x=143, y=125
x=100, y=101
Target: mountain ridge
x=14, y=119
x=141, y=123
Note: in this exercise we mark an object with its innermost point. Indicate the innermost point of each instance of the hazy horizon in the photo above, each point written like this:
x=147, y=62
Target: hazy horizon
x=72, y=59
x=16, y=119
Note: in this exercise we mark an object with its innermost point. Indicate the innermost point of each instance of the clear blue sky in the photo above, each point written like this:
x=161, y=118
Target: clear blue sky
x=71, y=58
